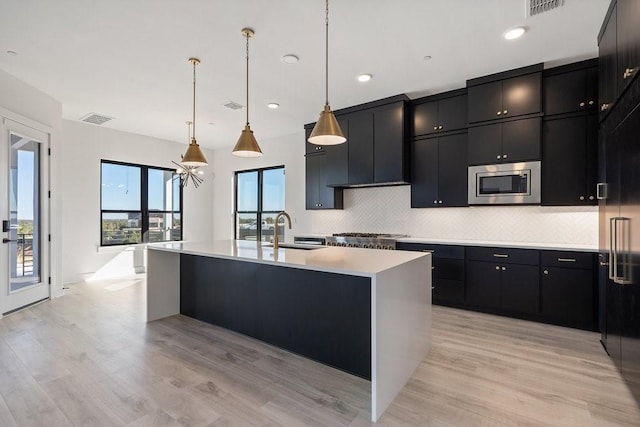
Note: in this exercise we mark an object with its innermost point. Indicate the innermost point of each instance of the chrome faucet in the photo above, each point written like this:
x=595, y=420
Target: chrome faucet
x=275, y=228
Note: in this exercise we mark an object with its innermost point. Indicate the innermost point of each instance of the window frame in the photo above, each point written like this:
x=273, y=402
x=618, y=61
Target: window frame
x=259, y=212
x=144, y=204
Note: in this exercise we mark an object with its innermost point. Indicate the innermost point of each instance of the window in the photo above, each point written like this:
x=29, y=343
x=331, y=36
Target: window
x=139, y=204
x=259, y=198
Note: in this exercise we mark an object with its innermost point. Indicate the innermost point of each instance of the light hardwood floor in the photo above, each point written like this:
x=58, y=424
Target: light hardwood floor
x=88, y=358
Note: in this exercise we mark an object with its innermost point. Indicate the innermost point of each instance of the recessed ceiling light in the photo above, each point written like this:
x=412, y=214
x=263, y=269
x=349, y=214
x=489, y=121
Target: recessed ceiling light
x=290, y=59
x=514, y=33
x=427, y=58
x=273, y=105
x=12, y=52
x=211, y=123
x=364, y=77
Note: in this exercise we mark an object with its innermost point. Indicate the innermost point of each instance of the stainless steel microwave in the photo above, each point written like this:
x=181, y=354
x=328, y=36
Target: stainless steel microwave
x=505, y=184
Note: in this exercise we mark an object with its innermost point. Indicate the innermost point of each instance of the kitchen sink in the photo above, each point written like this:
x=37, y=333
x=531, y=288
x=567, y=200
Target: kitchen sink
x=296, y=246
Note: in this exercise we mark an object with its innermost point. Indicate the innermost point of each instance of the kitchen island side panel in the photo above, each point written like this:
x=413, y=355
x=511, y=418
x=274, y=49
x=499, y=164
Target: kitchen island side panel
x=323, y=316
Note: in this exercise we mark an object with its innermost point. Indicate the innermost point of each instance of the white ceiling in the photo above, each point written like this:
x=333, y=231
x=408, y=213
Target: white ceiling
x=128, y=58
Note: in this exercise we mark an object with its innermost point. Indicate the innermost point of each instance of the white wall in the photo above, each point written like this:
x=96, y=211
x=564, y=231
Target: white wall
x=387, y=209
x=21, y=101
x=84, y=146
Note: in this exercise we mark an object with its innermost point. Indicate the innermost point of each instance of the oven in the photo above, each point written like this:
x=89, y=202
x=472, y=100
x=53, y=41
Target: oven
x=505, y=184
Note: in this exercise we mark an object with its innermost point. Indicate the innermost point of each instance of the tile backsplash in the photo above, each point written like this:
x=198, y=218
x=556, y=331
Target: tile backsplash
x=387, y=210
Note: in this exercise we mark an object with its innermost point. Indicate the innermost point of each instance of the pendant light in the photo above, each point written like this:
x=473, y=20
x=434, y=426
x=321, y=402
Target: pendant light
x=327, y=130
x=186, y=173
x=194, y=156
x=247, y=146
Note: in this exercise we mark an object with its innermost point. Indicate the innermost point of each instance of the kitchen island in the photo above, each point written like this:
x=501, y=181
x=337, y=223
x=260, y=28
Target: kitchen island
x=365, y=311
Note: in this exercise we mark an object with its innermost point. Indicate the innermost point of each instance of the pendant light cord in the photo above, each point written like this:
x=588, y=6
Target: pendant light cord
x=193, y=122
x=247, y=35
x=326, y=52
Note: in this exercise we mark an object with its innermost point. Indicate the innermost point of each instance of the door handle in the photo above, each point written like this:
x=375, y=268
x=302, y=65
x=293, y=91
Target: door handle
x=624, y=252
x=566, y=260
x=9, y=240
x=612, y=248
x=501, y=256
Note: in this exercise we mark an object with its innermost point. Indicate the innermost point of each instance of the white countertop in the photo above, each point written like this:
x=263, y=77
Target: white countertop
x=502, y=244
x=353, y=261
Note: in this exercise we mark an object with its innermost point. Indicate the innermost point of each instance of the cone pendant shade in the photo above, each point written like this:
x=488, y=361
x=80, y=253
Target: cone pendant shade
x=247, y=146
x=194, y=155
x=327, y=130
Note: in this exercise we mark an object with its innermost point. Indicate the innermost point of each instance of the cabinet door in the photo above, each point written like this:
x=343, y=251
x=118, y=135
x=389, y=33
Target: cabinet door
x=452, y=171
x=520, y=288
x=484, y=102
x=483, y=284
x=452, y=113
x=565, y=161
x=337, y=160
x=522, y=95
x=565, y=93
x=592, y=88
x=628, y=43
x=567, y=296
x=389, y=143
x=521, y=140
x=361, y=147
x=485, y=144
x=314, y=164
x=424, y=173
x=425, y=118
x=592, y=160
x=608, y=66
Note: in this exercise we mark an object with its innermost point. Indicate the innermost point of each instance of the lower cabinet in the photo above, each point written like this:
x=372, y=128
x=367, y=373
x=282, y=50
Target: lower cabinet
x=448, y=271
x=548, y=286
x=569, y=296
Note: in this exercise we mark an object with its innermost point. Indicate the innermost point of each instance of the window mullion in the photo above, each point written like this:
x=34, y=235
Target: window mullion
x=144, y=203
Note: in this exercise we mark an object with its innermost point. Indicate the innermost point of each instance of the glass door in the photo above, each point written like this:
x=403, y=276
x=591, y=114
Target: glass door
x=24, y=252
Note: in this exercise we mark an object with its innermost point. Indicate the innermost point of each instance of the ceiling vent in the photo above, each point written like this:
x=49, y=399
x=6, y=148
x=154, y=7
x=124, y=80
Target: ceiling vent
x=233, y=105
x=536, y=7
x=95, y=118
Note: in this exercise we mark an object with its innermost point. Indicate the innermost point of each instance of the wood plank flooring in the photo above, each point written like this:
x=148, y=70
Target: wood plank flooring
x=89, y=359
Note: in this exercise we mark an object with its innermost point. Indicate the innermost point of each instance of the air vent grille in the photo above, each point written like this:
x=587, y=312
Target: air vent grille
x=95, y=118
x=233, y=105
x=537, y=7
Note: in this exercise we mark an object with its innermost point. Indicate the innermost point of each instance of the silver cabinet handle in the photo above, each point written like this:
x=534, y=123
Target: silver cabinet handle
x=505, y=112
x=504, y=156
x=546, y=272
x=439, y=127
x=435, y=128
x=498, y=156
x=624, y=251
x=591, y=102
x=566, y=260
x=498, y=113
x=500, y=256
x=582, y=104
x=581, y=197
x=440, y=202
x=601, y=190
x=591, y=198
x=504, y=268
x=605, y=106
x=497, y=267
x=435, y=202
x=428, y=250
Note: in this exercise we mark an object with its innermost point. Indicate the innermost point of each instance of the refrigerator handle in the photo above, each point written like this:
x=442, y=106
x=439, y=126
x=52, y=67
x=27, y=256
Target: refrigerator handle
x=612, y=249
x=625, y=252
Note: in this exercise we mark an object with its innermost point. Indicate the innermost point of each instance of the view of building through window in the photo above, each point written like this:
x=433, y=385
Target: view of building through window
x=139, y=204
x=259, y=198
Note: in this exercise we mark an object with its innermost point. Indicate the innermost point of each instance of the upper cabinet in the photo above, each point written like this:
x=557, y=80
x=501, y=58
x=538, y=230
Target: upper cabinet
x=506, y=142
x=505, y=95
x=377, y=143
x=440, y=113
x=619, y=51
x=325, y=166
x=376, y=151
x=572, y=88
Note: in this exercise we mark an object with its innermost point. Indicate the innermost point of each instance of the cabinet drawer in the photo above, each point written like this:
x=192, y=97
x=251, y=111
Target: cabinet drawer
x=567, y=259
x=503, y=255
x=438, y=251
